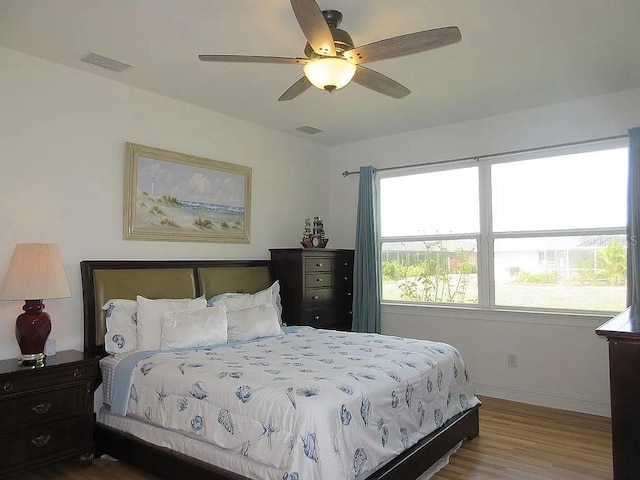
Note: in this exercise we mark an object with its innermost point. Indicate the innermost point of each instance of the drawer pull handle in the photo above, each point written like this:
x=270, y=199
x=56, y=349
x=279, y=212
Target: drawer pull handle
x=7, y=387
x=318, y=279
x=349, y=294
x=346, y=264
x=41, y=408
x=346, y=278
x=317, y=317
x=76, y=373
x=315, y=297
x=319, y=265
x=41, y=440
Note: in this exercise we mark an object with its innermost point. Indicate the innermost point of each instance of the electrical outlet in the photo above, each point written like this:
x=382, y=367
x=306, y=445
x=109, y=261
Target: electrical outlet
x=512, y=360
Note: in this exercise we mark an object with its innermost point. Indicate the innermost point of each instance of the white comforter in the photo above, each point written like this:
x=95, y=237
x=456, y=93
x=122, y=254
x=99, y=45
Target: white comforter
x=313, y=404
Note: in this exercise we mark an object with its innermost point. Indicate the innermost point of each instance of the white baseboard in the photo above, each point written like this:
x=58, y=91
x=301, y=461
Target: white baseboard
x=544, y=399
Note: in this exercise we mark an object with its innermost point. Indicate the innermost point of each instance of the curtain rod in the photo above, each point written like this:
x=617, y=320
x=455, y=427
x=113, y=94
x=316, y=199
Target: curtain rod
x=346, y=173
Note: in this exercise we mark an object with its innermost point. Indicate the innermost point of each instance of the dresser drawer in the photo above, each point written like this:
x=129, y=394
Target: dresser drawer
x=38, y=443
x=319, y=279
x=343, y=265
x=318, y=296
x=42, y=407
x=13, y=384
x=344, y=295
x=318, y=264
x=319, y=318
x=343, y=280
x=330, y=317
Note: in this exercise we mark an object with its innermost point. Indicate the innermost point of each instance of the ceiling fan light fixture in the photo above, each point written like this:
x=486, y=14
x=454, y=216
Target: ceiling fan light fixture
x=329, y=73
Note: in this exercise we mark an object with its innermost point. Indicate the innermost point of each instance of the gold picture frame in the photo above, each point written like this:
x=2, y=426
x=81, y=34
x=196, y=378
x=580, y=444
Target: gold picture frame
x=174, y=197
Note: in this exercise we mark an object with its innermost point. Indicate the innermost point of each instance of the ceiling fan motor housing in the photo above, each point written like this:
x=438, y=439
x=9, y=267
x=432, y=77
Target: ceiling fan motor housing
x=341, y=39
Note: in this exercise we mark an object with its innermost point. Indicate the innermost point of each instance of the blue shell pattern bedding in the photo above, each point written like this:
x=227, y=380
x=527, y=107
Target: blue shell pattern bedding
x=312, y=404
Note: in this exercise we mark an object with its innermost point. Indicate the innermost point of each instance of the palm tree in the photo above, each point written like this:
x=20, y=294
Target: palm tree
x=613, y=260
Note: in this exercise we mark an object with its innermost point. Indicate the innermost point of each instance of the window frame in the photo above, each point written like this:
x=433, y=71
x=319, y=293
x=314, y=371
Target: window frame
x=486, y=237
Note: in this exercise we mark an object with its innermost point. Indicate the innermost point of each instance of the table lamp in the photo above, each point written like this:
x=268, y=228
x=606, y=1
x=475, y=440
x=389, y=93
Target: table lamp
x=35, y=273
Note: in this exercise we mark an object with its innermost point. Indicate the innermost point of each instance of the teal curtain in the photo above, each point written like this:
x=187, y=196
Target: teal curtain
x=633, y=219
x=366, y=268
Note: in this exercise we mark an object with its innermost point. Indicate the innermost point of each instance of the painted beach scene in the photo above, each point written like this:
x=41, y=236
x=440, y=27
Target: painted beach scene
x=180, y=198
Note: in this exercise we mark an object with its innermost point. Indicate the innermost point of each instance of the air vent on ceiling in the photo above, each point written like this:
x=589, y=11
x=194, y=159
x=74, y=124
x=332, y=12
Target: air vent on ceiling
x=310, y=130
x=105, y=62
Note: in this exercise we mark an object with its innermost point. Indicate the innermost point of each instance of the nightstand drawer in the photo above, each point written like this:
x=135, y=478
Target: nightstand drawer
x=38, y=443
x=318, y=264
x=42, y=407
x=13, y=384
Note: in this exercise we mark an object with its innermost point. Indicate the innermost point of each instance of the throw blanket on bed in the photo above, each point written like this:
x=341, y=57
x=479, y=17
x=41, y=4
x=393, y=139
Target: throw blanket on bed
x=312, y=403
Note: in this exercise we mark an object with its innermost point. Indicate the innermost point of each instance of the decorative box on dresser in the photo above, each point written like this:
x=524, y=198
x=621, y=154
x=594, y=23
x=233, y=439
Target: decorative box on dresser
x=316, y=286
x=46, y=413
x=623, y=335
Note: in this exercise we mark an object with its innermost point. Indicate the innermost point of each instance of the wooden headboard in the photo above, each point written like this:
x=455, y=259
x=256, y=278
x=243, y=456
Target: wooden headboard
x=103, y=280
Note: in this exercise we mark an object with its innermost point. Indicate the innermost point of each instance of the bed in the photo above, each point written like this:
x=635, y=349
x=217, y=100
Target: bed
x=351, y=379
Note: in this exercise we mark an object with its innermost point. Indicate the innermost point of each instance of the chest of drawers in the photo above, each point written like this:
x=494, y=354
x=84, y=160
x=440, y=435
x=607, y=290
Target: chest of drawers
x=623, y=335
x=46, y=413
x=316, y=286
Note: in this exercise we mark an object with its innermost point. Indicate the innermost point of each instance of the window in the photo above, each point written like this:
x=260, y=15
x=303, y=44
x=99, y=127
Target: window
x=430, y=225
x=543, y=231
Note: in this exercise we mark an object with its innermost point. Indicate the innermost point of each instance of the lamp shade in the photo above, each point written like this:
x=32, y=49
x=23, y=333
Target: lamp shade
x=329, y=73
x=35, y=272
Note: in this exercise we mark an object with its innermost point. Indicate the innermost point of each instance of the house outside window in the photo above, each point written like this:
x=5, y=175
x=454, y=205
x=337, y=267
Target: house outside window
x=536, y=231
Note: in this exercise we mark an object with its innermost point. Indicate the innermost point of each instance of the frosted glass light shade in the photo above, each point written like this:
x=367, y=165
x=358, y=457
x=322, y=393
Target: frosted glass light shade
x=329, y=73
x=36, y=272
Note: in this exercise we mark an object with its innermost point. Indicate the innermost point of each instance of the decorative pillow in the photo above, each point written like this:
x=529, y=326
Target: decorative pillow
x=122, y=329
x=201, y=328
x=238, y=301
x=253, y=322
x=150, y=317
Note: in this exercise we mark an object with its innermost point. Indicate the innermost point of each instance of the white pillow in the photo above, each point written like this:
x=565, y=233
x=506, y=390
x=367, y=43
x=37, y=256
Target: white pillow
x=238, y=301
x=201, y=328
x=122, y=330
x=150, y=317
x=253, y=322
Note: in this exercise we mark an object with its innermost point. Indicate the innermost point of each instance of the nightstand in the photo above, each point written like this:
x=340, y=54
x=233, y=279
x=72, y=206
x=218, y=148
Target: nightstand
x=46, y=413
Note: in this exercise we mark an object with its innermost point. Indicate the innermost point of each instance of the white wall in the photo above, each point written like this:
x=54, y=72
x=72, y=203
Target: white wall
x=62, y=145
x=562, y=363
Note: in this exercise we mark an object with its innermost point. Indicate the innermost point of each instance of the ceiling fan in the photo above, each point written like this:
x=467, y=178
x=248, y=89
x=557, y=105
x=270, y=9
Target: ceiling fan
x=332, y=61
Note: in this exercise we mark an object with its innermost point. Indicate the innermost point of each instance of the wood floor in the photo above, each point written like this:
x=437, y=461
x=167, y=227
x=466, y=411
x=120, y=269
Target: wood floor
x=524, y=442
x=516, y=442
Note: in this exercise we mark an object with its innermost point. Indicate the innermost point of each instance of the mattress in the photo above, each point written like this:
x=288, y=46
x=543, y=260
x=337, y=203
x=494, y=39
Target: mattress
x=308, y=404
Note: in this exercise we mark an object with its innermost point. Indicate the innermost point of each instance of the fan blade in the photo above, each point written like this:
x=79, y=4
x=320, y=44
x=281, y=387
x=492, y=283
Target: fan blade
x=404, y=45
x=314, y=26
x=379, y=83
x=252, y=59
x=296, y=89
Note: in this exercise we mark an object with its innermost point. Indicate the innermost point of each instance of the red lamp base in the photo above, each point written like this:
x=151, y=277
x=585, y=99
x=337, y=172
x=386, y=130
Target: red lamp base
x=32, y=330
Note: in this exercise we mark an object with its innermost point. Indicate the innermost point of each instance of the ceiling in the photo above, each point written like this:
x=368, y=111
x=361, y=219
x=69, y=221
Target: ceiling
x=514, y=54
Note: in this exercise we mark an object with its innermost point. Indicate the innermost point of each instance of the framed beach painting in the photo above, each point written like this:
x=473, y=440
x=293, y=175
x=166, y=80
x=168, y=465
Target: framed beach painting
x=174, y=197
